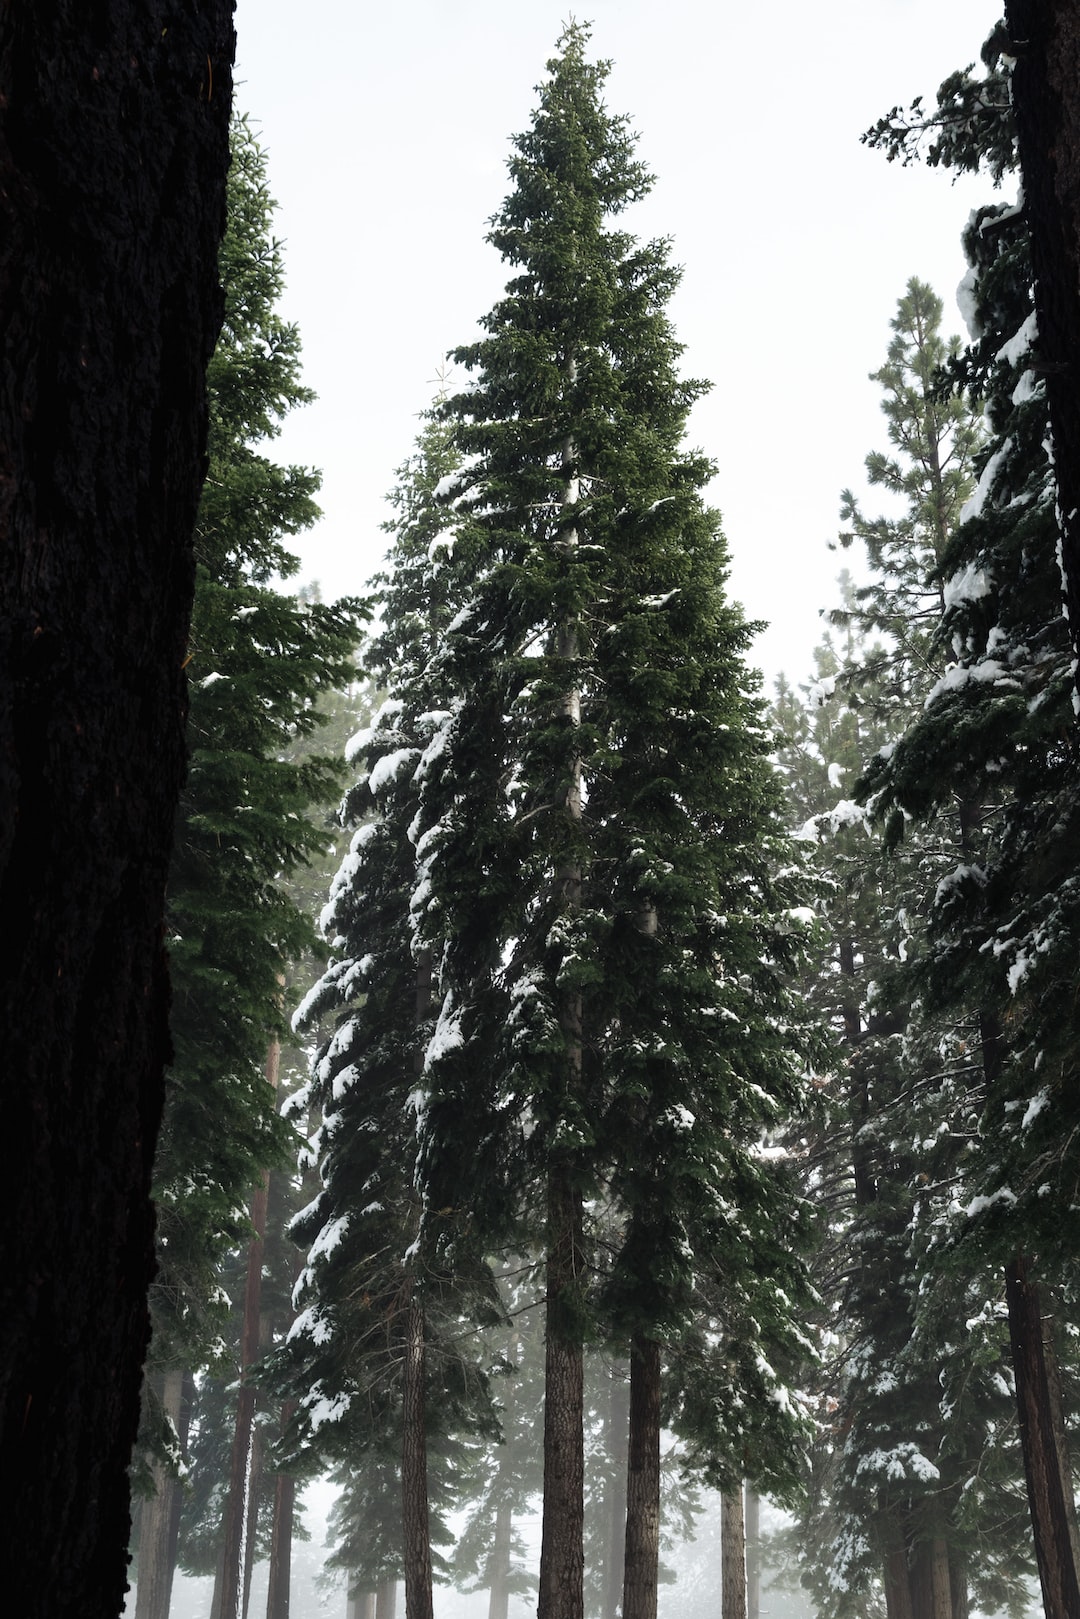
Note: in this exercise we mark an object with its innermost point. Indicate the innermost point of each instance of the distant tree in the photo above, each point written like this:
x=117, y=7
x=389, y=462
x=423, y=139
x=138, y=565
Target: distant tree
x=113, y=154
x=997, y=738
x=262, y=665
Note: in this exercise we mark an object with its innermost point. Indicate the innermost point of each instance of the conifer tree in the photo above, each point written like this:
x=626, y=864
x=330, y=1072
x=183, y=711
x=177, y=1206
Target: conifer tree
x=998, y=739
x=259, y=662
x=599, y=826
x=372, y=1336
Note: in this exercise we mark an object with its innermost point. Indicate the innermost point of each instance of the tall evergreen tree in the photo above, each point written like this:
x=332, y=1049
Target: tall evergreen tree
x=998, y=738
x=599, y=826
x=113, y=155
x=259, y=662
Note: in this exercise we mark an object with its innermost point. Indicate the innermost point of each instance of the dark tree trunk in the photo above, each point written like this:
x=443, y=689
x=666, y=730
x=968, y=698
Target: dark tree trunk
x=753, y=1553
x=281, y=1536
x=1046, y=1464
x=561, y=1548
x=235, y=1517
x=415, y=1520
x=618, y=1429
x=930, y=1590
x=895, y=1572
x=1045, y=37
x=732, y=1556
x=642, y=1560
x=157, y=1515
x=113, y=154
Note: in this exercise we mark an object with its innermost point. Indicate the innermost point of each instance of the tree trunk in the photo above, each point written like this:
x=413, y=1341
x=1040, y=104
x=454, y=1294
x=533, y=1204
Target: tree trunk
x=499, y=1563
x=618, y=1428
x=561, y=1548
x=1045, y=39
x=642, y=1561
x=281, y=1536
x=235, y=1514
x=113, y=155
x=386, y=1600
x=753, y=1553
x=157, y=1514
x=1046, y=1464
x=928, y=1579
x=187, y=1405
x=896, y=1576
x=732, y=1556
x=252, y=1505
x=958, y=1584
x=415, y=1521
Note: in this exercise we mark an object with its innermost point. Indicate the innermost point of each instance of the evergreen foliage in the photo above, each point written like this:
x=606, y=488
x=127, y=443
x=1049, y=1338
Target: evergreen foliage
x=260, y=665
x=920, y=1421
x=603, y=880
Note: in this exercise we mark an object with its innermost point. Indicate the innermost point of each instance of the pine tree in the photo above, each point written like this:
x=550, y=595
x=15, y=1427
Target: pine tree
x=259, y=663
x=378, y=1328
x=599, y=826
x=997, y=739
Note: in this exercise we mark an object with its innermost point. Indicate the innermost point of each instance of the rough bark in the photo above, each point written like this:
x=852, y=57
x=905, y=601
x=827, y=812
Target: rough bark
x=618, y=1428
x=1046, y=1463
x=958, y=1583
x=753, y=1553
x=415, y=1521
x=157, y=1515
x=561, y=1549
x=732, y=1556
x=113, y=155
x=928, y=1579
x=1045, y=37
x=895, y=1572
x=642, y=1560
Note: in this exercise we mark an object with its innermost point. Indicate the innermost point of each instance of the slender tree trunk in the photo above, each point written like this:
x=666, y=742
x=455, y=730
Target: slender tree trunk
x=281, y=1536
x=415, y=1523
x=499, y=1563
x=113, y=156
x=1046, y=1464
x=753, y=1553
x=156, y=1546
x=642, y=1562
x=386, y=1600
x=252, y=1507
x=234, y=1521
x=1045, y=40
x=561, y=1549
x=187, y=1404
x=618, y=1429
x=733, y=1556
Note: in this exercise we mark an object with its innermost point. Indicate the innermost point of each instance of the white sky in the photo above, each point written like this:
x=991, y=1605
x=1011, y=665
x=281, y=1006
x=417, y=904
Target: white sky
x=387, y=128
